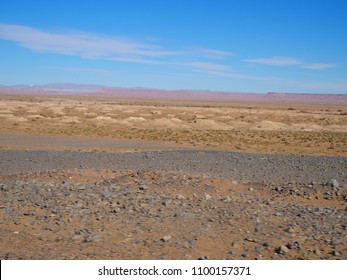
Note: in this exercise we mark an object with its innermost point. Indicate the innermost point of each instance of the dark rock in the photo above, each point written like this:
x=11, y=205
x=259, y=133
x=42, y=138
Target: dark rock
x=143, y=188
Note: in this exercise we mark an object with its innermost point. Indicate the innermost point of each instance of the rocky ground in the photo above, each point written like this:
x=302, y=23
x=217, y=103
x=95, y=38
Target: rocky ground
x=172, y=205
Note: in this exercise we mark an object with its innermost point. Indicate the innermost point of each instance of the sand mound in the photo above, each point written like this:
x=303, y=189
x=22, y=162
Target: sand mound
x=5, y=111
x=57, y=111
x=17, y=119
x=200, y=117
x=6, y=115
x=155, y=112
x=269, y=125
x=70, y=120
x=104, y=119
x=81, y=109
x=90, y=115
x=339, y=128
x=135, y=119
x=33, y=111
x=209, y=124
x=166, y=123
x=36, y=116
x=306, y=127
x=130, y=111
x=224, y=118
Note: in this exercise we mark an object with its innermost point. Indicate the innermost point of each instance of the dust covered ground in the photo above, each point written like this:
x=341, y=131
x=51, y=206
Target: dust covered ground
x=277, y=127
x=102, y=178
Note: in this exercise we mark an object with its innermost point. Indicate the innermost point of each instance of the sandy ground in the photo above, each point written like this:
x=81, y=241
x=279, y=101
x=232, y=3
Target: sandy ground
x=248, y=127
x=159, y=181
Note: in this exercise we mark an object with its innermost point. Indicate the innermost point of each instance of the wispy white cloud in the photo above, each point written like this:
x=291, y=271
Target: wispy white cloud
x=83, y=69
x=79, y=43
x=94, y=46
x=202, y=65
x=318, y=66
x=276, y=61
x=290, y=61
x=211, y=53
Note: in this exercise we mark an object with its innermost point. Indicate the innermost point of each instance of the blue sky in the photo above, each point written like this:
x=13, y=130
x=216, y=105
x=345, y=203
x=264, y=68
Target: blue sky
x=248, y=45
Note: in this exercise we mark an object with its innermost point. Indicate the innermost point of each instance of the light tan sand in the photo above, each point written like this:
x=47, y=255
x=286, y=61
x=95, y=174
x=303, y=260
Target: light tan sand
x=262, y=127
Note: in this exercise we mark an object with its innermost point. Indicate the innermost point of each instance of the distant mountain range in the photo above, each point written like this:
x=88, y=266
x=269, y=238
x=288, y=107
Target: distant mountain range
x=158, y=94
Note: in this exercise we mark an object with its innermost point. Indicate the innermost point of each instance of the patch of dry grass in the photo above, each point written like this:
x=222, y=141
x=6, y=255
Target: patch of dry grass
x=263, y=128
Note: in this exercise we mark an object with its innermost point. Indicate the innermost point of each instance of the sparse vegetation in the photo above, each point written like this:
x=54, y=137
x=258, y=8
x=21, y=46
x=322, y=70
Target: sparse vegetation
x=308, y=129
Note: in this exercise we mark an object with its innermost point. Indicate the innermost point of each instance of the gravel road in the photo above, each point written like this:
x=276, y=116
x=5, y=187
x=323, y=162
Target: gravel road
x=279, y=169
x=171, y=205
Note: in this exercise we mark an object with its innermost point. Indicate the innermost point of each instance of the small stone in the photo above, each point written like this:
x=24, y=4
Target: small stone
x=26, y=213
x=338, y=241
x=235, y=245
x=249, y=239
x=179, y=215
x=255, y=218
x=166, y=238
x=282, y=250
x=259, y=228
x=106, y=194
x=93, y=238
x=192, y=241
x=336, y=253
x=203, y=258
x=77, y=236
x=234, y=182
x=266, y=244
x=143, y=188
x=290, y=230
x=208, y=197
x=165, y=203
x=180, y=197
x=334, y=183
x=258, y=249
x=317, y=252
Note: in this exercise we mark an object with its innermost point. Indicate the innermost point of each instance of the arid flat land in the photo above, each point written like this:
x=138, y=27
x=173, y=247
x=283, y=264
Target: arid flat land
x=257, y=127
x=86, y=177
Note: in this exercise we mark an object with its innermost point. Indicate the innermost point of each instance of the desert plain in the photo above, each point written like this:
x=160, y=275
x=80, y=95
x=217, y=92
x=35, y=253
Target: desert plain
x=113, y=177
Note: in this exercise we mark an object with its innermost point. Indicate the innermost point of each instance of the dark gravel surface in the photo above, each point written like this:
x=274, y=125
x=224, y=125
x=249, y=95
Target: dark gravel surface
x=258, y=168
x=172, y=205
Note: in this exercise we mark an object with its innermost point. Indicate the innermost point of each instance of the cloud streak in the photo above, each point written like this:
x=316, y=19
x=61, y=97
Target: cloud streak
x=78, y=43
x=211, y=53
x=318, y=66
x=93, y=46
x=88, y=45
x=290, y=61
x=275, y=61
